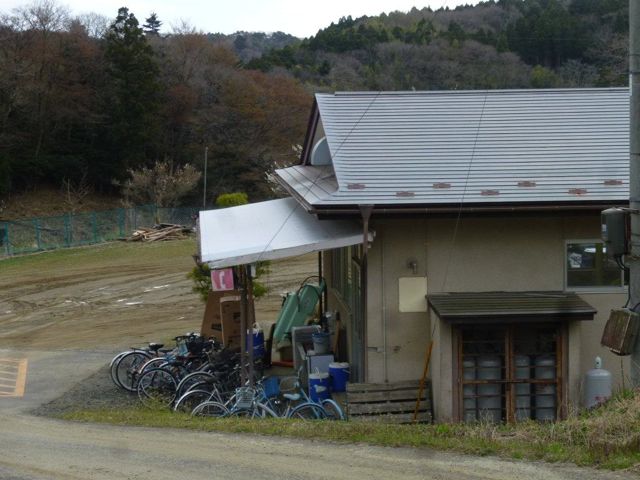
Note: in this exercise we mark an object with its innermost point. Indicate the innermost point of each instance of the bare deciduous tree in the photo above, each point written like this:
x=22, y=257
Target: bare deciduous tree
x=162, y=185
x=75, y=192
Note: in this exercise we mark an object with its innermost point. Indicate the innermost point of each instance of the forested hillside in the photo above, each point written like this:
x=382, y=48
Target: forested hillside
x=495, y=44
x=85, y=99
x=82, y=103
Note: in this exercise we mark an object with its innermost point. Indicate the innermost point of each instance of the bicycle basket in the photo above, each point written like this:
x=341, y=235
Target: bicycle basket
x=195, y=344
x=244, y=397
x=181, y=346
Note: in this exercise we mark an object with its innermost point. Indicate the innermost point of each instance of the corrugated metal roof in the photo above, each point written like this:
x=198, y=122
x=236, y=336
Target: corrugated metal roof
x=268, y=231
x=455, y=307
x=501, y=146
x=315, y=184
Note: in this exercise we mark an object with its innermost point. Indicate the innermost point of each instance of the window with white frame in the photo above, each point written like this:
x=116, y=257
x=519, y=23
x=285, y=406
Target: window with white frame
x=587, y=265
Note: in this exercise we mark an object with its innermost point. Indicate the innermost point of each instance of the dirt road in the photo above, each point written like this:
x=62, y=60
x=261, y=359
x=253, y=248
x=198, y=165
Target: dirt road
x=48, y=449
x=114, y=296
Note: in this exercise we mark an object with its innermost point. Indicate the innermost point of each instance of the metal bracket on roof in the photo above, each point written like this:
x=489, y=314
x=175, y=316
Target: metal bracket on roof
x=365, y=211
x=635, y=211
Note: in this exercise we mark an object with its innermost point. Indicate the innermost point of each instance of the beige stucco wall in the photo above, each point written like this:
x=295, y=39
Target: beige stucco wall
x=513, y=253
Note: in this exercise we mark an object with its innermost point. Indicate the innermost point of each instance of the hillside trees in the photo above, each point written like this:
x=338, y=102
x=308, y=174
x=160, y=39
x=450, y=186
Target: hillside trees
x=47, y=67
x=163, y=184
x=81, y=103
x=132, y=94
x=248, y=120
x=88, y=99
x=558, y=35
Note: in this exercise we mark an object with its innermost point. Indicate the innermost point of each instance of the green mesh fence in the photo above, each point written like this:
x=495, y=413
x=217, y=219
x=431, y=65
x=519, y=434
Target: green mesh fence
x=71, y=230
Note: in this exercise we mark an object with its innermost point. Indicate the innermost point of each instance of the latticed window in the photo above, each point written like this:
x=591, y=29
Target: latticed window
x=345, y=277
x=510, y=372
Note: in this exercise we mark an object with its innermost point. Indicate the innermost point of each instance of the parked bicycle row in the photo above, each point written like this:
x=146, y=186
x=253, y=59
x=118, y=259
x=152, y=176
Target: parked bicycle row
x=200, y=377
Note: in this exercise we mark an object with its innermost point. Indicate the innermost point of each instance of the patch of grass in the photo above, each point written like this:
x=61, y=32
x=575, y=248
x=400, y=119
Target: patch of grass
x=112, y=254
x=606, y=437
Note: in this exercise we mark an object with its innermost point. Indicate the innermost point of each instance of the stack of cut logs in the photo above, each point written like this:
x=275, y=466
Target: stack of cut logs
x=161, y=232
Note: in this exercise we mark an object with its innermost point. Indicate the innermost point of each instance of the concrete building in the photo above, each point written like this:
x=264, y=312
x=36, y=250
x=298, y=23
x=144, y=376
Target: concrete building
x=486, y=212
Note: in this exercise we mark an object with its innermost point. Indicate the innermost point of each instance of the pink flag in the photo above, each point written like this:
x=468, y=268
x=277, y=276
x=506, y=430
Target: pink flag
x=222, y=280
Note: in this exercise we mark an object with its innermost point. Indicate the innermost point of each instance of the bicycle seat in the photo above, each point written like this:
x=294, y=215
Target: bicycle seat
x=294, y=397
x=155, y=346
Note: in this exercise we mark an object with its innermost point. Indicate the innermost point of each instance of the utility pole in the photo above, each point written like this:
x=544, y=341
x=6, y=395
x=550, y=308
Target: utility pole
x=634, y=173
x=204, y=190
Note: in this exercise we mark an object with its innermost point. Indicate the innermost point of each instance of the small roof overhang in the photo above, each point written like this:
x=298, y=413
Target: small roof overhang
x=268, y=231
x=492, y=307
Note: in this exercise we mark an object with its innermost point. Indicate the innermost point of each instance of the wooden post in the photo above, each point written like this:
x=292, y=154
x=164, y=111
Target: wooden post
x=243, y=325
x=251, y=316
x=423, y=380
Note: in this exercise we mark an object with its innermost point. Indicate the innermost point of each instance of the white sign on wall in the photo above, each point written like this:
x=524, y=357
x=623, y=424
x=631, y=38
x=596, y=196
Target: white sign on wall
x=412, y=294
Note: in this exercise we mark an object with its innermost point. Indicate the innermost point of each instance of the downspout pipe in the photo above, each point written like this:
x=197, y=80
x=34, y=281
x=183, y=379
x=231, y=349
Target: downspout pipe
x=365, y=211
x=634, y=174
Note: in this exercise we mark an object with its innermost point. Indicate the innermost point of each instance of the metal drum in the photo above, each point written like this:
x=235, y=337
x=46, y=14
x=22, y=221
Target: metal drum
x=490, y=395
x=545, y=394
x=523, y=390
x=469, y=391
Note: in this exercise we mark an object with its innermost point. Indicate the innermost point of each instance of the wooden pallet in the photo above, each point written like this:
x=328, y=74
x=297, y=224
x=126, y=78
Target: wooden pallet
x=388, y=402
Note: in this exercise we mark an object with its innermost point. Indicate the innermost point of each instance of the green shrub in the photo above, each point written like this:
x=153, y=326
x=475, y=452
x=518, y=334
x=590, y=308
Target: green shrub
x=232, y=199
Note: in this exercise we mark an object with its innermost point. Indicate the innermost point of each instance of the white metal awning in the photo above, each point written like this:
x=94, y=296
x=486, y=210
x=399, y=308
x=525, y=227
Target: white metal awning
x=269, y=231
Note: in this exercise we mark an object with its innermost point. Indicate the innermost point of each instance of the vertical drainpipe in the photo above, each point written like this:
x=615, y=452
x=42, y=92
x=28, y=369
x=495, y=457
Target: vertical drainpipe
x=365, y=211
x=323, y=294
x=384, y=313
x=634, y=174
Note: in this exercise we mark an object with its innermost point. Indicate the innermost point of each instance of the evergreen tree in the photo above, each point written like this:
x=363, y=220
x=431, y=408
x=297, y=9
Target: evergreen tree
x=152, y=25
x=133, y=102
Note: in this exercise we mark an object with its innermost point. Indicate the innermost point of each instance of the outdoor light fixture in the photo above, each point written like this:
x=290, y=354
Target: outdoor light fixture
x=412, y=263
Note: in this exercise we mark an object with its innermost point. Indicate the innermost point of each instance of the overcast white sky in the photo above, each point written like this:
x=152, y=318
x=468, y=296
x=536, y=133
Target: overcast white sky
x=297, y=17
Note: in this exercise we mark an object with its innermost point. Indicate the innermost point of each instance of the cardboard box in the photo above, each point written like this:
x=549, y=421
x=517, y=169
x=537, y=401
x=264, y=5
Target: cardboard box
x=231, y=317
x=212, y=319
x=234, y=342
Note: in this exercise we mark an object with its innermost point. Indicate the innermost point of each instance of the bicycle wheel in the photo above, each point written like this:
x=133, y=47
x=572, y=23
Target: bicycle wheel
x=157, y=387
x=190, y=400
x=155, y=362
x=332, y=410
x=210, y=409
x=113, y=367
x=308, y=411
x=209, y=387
x=192, y=378
x=128, y=369
x=244, y=412
x=262, y=410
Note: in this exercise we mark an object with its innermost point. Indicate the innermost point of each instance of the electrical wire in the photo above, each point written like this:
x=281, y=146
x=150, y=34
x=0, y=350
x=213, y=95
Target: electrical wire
x=294, y=209
x=464, y=193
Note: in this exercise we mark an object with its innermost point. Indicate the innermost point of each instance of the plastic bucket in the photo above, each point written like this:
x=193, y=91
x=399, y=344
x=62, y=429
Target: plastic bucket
x=339, y=373
x=321, y=342
x=258, y=342
x=318, y=386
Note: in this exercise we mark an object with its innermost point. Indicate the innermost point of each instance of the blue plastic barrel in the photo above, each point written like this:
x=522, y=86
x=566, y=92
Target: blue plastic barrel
x=321, y=342
x=339, y=373
x=258, y=342
x=318, y=386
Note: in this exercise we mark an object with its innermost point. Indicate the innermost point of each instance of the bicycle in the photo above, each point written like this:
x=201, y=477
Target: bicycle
x=257, y=403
